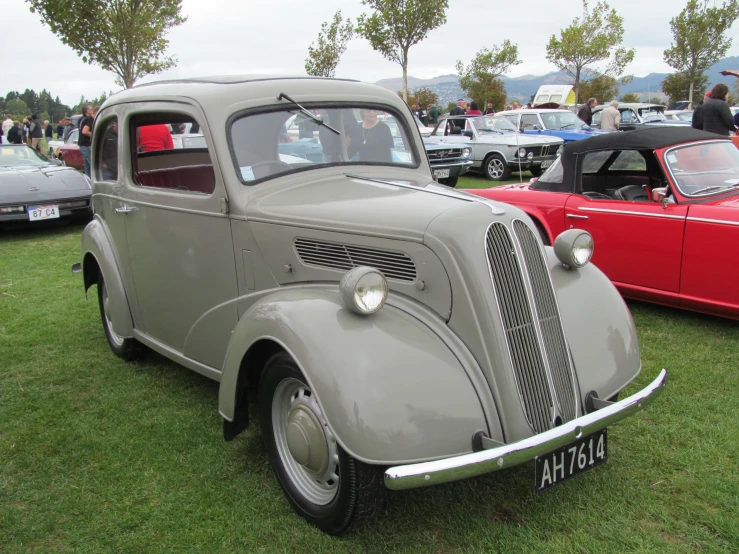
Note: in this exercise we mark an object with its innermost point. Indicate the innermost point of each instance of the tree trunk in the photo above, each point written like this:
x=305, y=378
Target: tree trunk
x=690, y=94
x=405, y=75
x=577, y=88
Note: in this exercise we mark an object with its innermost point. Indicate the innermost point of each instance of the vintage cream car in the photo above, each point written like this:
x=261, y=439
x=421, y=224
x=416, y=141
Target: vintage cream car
x=399, y=333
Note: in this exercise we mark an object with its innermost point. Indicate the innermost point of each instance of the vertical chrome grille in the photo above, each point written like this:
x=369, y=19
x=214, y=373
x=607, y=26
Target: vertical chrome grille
x=545, y=150
x=551, y=326
x=528, y=364
x=534, y=333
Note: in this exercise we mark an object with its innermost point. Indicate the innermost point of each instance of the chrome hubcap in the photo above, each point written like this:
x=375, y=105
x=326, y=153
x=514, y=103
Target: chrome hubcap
x=114, y=337
x=306, y=447
x=495, y=167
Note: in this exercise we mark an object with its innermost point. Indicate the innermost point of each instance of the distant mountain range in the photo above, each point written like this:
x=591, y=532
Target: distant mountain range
x=522, y=88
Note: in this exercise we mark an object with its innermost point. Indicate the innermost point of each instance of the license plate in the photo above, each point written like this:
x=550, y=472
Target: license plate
x=441, y=173
x=571, y=460
x=37, y=213
x=546, y=163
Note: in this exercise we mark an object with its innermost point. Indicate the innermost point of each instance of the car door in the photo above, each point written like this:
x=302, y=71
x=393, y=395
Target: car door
x=637, y=242
x=178, y=234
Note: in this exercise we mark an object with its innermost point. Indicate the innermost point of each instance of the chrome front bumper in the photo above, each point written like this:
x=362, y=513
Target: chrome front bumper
x=509, y=455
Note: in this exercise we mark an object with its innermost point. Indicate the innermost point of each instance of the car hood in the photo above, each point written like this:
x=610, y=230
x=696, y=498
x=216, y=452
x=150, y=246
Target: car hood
x=570, y=134
x=518, y=139
x=25, y=185
x=355, y=205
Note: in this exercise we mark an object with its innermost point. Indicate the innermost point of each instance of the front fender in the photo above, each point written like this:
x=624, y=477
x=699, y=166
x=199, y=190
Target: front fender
x=96, y=243
x=389, y=387
x=599, y=328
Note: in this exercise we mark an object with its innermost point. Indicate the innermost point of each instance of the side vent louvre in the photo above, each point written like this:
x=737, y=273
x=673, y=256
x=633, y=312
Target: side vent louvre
x=332, y=255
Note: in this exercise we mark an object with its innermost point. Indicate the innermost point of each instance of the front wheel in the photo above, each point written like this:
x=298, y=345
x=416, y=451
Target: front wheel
x=126, y=348
x=496, y=168
x=324, y=484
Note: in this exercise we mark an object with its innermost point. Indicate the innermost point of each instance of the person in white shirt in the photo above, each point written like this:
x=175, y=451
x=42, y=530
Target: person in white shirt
x=7, y=126
x=610, y=117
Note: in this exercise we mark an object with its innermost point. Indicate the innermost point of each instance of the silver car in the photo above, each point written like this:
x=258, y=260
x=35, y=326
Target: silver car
x=398, y=333
x=498, y=148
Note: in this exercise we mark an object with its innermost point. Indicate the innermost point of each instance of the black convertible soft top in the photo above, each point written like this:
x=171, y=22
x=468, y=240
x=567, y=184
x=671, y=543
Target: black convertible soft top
x=640, y=139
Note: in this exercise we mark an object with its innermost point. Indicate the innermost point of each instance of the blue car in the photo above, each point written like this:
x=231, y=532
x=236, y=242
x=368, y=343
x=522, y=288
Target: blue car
x=556, y=123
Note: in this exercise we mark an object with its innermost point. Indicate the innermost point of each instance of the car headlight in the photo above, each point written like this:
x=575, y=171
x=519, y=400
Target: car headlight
x=574, y=248
x=530, y=156
x=364, y=290
x=466, y=152
x=559, y=150
x=521, y=152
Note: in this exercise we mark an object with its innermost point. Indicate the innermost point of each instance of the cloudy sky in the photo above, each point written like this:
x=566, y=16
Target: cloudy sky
x=272, y=36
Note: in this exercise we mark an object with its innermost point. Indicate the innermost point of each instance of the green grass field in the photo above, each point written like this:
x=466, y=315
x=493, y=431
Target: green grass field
x=98, y=455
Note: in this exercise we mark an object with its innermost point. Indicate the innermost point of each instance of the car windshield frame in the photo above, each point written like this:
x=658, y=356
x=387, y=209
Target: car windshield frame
x=40, y=161
x=712, y=191
x=291, y=109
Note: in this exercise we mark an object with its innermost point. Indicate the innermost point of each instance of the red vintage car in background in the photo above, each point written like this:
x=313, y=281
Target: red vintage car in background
x=69, y=152
x=662, y=206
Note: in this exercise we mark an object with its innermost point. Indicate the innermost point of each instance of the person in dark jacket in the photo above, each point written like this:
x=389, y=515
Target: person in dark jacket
x=736, y=119
x=586, y=112
x=717, y=116
x=14, y=134
x=37, y=133
x=697, y=120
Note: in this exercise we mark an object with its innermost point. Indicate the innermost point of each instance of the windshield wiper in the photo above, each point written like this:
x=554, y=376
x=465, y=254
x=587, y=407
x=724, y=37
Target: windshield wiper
x=307, y=113
x=714, y=187
x=566, y=126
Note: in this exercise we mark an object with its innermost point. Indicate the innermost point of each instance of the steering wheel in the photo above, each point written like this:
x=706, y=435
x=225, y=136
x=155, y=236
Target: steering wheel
x=269, y=167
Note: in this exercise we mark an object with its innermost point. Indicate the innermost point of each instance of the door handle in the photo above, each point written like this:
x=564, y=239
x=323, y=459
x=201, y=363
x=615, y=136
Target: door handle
x=125, y=209
x=574, y=216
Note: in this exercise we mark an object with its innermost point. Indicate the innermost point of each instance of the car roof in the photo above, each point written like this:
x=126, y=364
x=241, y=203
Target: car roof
x=630, y=105
x=534, y=110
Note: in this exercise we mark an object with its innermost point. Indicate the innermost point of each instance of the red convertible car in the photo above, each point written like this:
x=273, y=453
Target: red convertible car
x=69, y=152
x=662, y=205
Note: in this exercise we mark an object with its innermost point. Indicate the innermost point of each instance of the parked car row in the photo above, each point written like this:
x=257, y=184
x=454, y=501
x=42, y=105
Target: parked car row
x=398, y=333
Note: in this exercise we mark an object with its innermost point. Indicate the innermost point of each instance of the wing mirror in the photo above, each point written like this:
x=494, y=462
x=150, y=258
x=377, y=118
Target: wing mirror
x=659, y=194
x=468, y=133
x=537, y=128
x=56, y=161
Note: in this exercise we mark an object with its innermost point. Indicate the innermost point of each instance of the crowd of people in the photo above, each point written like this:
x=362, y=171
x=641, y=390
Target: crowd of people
x=429, y=115
x=713, y=114
x=31, y=131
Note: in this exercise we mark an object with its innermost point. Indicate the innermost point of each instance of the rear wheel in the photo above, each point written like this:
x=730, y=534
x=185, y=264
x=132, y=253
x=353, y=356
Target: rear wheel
x=496, y=168
x=126, y=348
x=324, y=484
x=449, y=181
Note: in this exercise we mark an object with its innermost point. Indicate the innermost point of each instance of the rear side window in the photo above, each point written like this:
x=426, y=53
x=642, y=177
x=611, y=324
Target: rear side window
x=170, y=152
x=105, y=165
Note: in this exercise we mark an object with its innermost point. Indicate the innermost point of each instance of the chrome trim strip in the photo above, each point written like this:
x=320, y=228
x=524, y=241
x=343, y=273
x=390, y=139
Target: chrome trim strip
x=478, y=463
x=718, y=221
x=441, y=162
x=575, y=216
x=627, y=212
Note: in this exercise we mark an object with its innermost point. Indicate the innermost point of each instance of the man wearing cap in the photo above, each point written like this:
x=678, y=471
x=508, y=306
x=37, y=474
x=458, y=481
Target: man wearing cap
x=68, y=128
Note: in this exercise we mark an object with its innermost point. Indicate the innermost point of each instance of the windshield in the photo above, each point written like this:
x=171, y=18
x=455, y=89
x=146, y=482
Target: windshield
x=652, y=114
x=562, y=119
x=492, y=124
x=704, y=168
x=266, y=145
x=21, y=156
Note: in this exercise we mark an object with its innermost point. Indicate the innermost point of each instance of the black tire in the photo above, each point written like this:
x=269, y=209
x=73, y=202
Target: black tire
x=128, y=349
x=360, y=492
x=449, y=181
x=536, y=171
x=495, y=168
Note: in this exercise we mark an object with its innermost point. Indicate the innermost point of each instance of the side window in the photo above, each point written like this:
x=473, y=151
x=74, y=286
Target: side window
x=628, y=117
x=629, y=160
x=512, y=118
x=594, y=161
x=596, y=118
x=170, y=152
x=529, y=121
x=105, y=165
x=73, y=136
